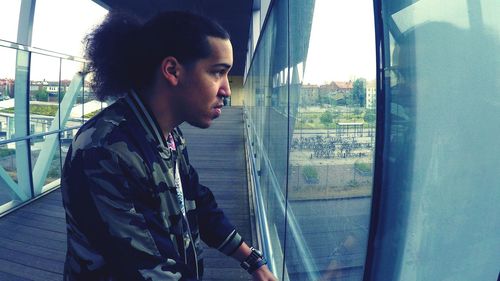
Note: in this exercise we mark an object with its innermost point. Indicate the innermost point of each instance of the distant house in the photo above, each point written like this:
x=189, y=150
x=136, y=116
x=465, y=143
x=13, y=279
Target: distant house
x=336, y=91
x=344, y=87
x=371, y=94
x=309, y=94
x=6, y=88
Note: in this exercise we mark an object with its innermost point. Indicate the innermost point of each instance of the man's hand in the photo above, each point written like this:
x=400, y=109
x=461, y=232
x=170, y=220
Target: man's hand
x=263, y=274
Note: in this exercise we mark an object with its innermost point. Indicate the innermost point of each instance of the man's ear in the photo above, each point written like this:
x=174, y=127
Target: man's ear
x=170, y=68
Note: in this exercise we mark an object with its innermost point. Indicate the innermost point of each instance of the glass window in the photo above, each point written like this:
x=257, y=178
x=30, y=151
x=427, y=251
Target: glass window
x=71, y=94
x=66, y=139
x=11, y=193
x=91, y=105
x=7, y=84
x=46, y=162
x=8, y=156
x=59, y=25
x=311, y=104
x=9, y=20
x=268, y=109
x=332, y=121
x=44, y=94
x=440, y=192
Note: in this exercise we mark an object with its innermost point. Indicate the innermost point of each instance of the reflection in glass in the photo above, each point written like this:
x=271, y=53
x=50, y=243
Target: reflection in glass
x=269, y=123
x=441, y=161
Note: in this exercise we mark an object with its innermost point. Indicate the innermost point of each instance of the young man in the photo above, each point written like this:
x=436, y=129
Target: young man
x=134, y=207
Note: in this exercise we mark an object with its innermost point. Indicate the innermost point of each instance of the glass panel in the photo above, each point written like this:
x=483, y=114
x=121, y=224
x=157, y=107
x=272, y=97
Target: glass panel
x=54, y=173
x=8, y=160
x=63, y=32
x=44, y=93
x=66, y=139
x=92, y=106
x=46, y=162
x=332, y=121
x=440, y=203
x=7, y=83
x=11, y=193
x=270, y=124
x=312, y=122
x=70, y=73
x=9, y=19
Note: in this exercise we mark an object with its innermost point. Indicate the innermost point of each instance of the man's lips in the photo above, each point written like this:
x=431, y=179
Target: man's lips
x=218, y=109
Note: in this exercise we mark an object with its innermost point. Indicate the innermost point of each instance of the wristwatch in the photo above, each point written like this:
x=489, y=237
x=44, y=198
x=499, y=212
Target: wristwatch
x=253, y=261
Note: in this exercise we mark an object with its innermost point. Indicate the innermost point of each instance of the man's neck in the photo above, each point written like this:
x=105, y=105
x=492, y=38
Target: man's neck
x=162, y=111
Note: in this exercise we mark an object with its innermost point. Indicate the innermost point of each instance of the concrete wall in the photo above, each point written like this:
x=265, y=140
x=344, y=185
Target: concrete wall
x=237, y=91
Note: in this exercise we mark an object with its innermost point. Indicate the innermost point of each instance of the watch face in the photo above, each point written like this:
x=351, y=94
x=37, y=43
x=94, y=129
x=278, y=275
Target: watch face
x=259, y=253
x=256, y=252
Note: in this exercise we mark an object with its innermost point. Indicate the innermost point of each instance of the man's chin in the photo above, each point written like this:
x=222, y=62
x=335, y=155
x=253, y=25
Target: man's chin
x=201, y=125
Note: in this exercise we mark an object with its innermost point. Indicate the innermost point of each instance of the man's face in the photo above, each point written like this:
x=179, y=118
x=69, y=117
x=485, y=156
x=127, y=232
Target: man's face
x=204, y=85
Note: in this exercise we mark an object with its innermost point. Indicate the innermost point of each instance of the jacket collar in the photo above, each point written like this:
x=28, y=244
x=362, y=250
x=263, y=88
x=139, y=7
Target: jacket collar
x=146, y=118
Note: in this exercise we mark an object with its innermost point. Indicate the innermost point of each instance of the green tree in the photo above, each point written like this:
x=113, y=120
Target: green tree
x=359, y=91
x=326, y=118
x=41, y=95
x=370, y=116
x=333, y=102
x=324, y=99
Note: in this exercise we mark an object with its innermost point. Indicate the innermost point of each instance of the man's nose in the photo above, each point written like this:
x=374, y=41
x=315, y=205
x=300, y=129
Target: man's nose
x=225, y=89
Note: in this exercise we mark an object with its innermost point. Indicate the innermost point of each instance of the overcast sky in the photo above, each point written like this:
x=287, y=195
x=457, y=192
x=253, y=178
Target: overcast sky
x=341, y=45
x=59, y=26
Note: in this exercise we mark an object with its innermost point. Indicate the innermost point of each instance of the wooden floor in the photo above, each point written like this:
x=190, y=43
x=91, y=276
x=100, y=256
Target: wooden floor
x=33, y=238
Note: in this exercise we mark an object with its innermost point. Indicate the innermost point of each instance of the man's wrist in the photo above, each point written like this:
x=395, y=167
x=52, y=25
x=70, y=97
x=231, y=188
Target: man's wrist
x=253, y=261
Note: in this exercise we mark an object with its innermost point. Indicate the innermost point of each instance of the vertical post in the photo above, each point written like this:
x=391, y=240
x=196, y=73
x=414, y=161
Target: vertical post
x=21, y=96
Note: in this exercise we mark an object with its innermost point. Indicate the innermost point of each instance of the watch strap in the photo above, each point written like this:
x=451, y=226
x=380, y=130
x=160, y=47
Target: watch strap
x=253, y=261
x=257, y=265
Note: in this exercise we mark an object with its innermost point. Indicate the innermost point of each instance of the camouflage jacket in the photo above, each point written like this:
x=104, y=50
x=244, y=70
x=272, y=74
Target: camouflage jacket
x=124, y=221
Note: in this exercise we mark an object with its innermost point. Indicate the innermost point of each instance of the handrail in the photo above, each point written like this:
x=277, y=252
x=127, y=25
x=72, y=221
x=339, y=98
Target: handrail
x=261, y=217
x=17, y=46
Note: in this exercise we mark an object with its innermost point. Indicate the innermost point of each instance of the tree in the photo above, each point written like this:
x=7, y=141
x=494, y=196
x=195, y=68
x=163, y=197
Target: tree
x=326, y=118
x=359, y=91
x=41, y=94
x=370, y=116
x=323, y=98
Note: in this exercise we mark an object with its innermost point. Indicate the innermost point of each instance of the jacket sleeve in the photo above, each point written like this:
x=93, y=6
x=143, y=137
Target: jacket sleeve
x=215, y=228
x=106, y=209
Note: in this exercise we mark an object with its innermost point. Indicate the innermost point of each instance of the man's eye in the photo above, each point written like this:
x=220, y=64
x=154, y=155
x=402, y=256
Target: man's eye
x=219, y=72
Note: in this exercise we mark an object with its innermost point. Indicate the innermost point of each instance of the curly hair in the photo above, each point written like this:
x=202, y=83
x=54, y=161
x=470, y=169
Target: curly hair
x=124, y=51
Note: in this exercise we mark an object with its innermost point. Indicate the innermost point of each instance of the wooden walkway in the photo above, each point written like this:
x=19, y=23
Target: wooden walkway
x=33, y=238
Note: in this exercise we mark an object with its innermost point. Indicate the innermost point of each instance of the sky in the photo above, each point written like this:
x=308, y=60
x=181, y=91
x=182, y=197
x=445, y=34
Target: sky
x=341, y=46
x=342, y=43
x=59, y=25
